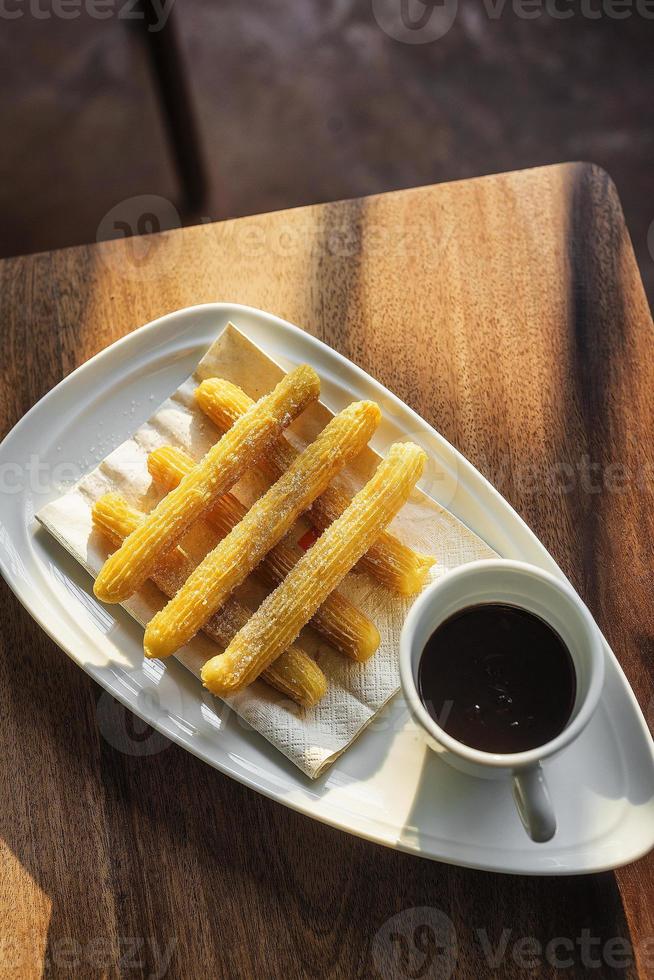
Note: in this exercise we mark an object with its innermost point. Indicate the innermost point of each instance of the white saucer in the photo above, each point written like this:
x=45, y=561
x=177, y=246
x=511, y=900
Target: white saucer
x=388, y=787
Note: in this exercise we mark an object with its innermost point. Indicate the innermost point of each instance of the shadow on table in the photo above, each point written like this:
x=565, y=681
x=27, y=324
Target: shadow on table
x=158, y=855
x=172, y=865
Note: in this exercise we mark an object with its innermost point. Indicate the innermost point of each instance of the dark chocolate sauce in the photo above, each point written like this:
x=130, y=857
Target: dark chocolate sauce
x=497, y=678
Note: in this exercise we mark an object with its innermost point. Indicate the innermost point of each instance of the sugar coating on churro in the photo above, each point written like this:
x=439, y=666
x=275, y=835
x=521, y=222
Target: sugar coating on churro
x=294, y=673
x=262, y=527
x=388, y=560
x=344, y=626
x=281, y=616
x=220, y=468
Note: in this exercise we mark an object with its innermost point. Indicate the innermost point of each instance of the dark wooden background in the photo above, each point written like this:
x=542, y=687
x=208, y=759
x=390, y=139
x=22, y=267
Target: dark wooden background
x=509, y=312
x=296, y=103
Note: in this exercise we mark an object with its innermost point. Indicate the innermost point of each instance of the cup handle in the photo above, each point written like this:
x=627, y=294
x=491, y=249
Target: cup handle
x=532, y=800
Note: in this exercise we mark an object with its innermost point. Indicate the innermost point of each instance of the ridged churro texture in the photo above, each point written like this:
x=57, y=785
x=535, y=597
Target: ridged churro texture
x=339, y=621
x=294, y=673
x=263, y=526
x=281, y=616
x=221, y=467
x=391, y=562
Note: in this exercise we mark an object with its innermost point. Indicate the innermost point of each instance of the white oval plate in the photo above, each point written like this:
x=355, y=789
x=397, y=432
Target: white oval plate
x=387, y=787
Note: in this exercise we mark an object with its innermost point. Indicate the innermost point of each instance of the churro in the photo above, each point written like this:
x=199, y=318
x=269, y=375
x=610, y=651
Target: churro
x=339, y=621
x=294, y=673
x=388, y=560
x=263, y=526
x=220, y=468
x=281, y=616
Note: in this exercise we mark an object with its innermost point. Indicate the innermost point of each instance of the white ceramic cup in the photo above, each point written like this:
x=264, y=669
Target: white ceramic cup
x=555, y=601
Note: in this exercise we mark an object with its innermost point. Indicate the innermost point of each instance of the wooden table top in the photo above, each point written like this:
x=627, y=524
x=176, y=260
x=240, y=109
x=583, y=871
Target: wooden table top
x=508, y=311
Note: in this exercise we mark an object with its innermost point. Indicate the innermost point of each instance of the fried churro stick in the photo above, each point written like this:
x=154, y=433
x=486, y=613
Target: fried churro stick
x=221, y=467
x=340, y=622
x=294, y=673
x=263, y=526
x=282, y=615
x=391, y=562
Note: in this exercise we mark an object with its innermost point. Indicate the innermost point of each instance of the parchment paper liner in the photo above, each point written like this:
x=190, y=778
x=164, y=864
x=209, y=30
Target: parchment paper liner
x=310, y=738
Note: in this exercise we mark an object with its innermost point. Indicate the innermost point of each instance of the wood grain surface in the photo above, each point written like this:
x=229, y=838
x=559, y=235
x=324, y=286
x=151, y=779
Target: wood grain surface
x=509, y=313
